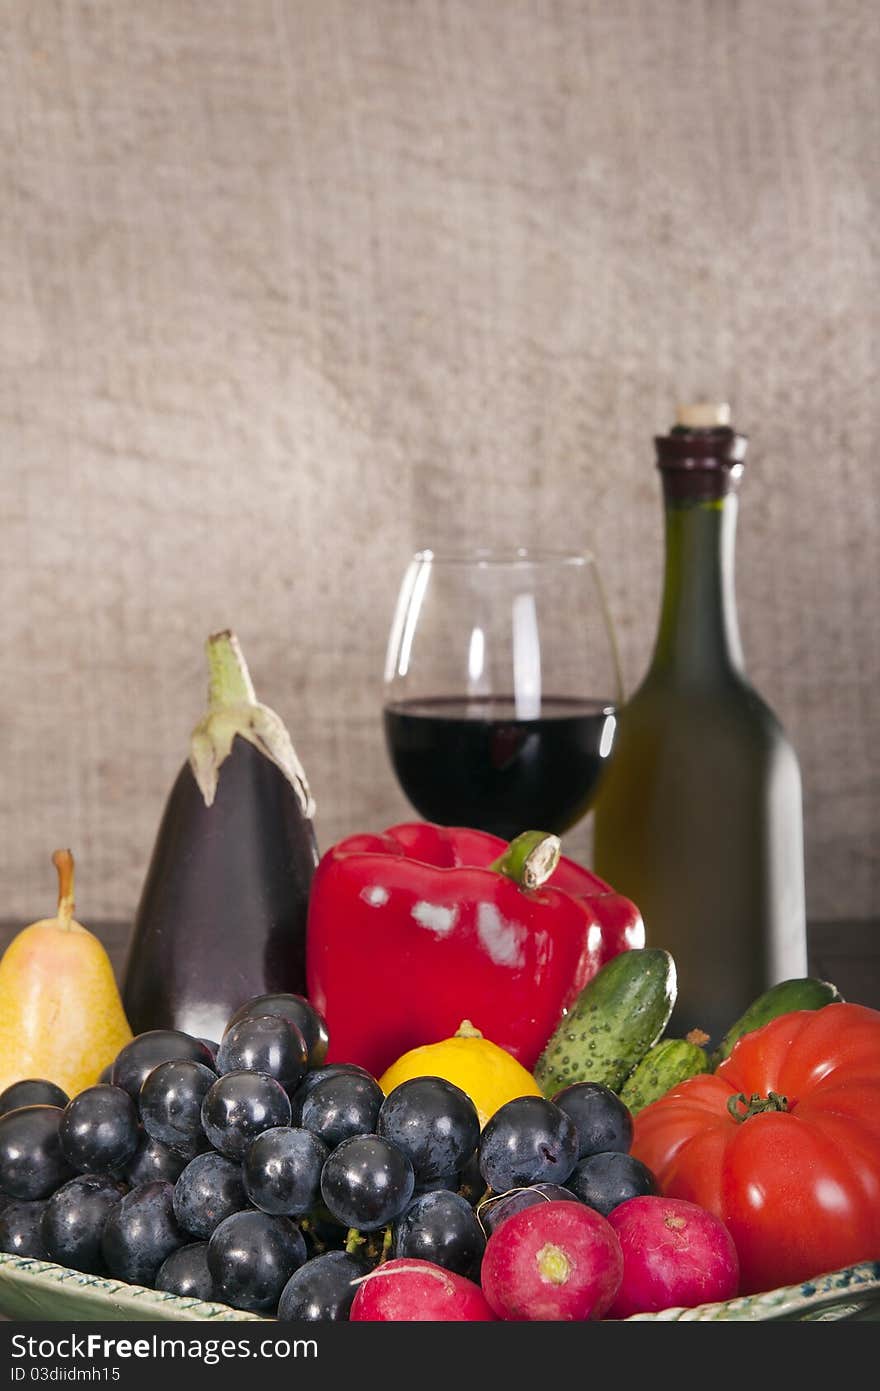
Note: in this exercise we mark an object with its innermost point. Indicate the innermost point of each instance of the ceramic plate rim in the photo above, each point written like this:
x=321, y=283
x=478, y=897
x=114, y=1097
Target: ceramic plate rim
x=42, y=1276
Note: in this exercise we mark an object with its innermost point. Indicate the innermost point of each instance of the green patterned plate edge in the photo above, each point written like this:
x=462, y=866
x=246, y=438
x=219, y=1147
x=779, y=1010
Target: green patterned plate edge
x=851, y=1293
x=37, y=1290
x=33, y=1290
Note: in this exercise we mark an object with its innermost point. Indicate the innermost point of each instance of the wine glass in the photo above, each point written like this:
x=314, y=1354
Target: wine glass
x=501, y=684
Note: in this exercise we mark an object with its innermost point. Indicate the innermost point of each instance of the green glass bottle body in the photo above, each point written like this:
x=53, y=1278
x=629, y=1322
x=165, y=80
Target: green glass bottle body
x=699, y=816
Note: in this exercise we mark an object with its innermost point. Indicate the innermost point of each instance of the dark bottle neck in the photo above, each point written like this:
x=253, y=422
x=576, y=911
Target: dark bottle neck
x=698, y=636
x=701, y=469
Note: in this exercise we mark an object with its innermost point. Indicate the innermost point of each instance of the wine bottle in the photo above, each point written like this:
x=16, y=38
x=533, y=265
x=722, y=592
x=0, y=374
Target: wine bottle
x=699, y=814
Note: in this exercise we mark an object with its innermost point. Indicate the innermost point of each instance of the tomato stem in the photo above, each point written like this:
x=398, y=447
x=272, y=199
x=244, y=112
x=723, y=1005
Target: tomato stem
x=755, y=1105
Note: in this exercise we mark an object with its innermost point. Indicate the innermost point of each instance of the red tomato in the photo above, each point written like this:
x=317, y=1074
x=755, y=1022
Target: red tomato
x=798, y=1187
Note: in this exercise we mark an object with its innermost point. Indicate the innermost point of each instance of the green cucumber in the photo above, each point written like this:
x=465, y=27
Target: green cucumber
x=669, y=1062
x=788, y=995
x=616, y=1018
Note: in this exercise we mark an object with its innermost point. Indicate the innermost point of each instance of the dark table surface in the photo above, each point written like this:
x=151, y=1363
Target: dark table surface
x=847, y=953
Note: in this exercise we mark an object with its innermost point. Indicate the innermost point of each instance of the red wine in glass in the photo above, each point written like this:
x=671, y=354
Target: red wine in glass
x=507, y=751
x=509, y=773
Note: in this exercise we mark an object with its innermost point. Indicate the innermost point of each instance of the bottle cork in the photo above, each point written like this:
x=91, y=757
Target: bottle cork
x=703, y=415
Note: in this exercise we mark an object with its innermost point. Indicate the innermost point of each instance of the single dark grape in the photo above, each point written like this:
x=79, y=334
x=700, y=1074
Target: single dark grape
x=209, y=1189
x=31, y=1162
x=265, y=1043
x=33, y=1091
x=282, y=1171
x=21, y=1229
x=316, y=1075
x=367, y=1182
x=140, y=1233
x=527, y=1141
x=154, y=1161
x=74, y=1220
x=322, y=1289
x=442, y=1228
x=342, y=1106
x=435, y=1124
x=171, y=1102
x=135, y=1062
x=600, y=1118
x=493, y=1211
x=239, y=1107
x=251, y=1257
x=298, y=1010
x=315, y=1078
x=604, y=1181
x=99, y=1129
x=185, y=1272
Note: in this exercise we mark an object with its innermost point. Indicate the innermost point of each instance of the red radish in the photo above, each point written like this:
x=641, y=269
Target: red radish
x=675, y=1254
x=552, y=1262
x=413, y=1291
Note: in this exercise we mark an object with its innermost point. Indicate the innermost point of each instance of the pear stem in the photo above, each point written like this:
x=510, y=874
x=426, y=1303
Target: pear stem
x=63, y=862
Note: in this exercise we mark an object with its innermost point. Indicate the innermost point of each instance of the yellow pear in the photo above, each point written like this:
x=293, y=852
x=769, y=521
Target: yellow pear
x=61, y=1017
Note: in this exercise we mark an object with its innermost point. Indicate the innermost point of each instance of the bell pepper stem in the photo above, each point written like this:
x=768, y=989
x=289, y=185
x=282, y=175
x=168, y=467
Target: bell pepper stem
x=530, y=859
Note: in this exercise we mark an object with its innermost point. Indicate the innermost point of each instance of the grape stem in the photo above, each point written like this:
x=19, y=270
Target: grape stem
x=354, y=1241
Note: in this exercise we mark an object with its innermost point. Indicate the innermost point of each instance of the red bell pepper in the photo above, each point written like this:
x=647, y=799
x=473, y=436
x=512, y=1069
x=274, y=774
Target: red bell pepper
x=414, y=930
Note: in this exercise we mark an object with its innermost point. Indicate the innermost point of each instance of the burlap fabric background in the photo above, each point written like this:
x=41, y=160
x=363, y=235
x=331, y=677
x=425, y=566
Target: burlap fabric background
x=289, y=287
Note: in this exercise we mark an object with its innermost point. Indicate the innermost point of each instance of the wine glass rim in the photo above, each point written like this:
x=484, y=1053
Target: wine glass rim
x=510, y=556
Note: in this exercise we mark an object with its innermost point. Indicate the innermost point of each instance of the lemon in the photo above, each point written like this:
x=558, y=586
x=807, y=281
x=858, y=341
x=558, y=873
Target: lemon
x=490, y=1075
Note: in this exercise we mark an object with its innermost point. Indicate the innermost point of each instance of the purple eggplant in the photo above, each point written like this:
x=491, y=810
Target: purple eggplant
x=222, y=914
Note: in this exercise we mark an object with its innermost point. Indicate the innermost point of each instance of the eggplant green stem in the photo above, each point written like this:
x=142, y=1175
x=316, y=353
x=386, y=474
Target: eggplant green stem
x=233, y=710
x=229, y=681
x=530, y=859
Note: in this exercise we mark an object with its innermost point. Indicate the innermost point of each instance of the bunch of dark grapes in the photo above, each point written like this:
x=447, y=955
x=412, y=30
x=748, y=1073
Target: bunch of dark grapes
x=251, y=1173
